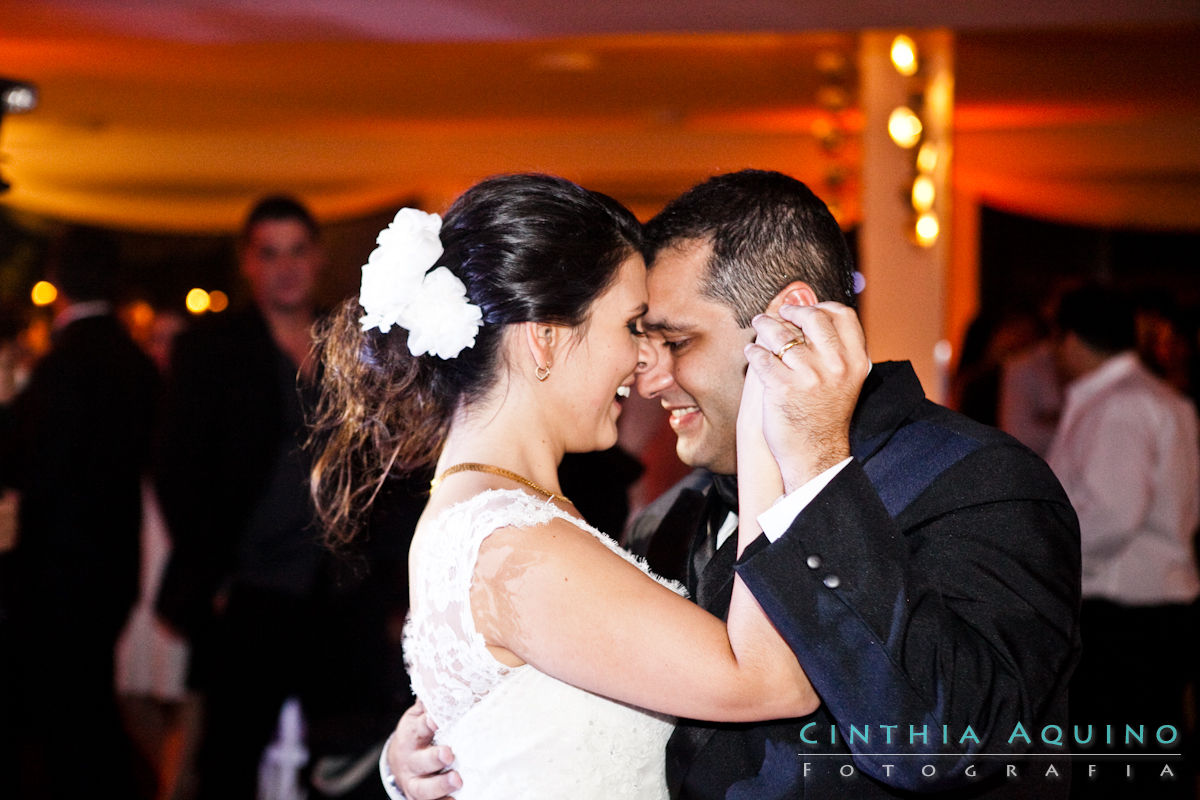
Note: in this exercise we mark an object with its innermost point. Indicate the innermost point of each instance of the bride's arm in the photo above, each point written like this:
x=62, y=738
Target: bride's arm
x=760, y=482
x=557, y=598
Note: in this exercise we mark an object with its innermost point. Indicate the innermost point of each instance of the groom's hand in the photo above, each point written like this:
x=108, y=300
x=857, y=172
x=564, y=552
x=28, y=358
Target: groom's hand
x=812, y=361
x=420, y=767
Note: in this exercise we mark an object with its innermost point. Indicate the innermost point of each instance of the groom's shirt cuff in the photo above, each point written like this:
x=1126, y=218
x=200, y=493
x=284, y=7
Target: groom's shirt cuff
x=386, y=776
x=779, y=517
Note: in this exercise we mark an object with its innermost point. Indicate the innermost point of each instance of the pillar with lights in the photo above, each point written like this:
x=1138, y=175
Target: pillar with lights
x=907, y=100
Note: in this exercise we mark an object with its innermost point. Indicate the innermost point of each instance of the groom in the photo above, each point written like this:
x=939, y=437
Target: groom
x=929, y=584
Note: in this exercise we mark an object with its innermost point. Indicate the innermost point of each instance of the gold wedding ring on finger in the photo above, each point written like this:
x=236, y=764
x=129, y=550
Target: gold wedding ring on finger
x=789, y=345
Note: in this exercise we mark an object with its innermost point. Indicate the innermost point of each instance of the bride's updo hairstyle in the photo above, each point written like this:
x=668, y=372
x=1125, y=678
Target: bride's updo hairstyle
x=528, y=248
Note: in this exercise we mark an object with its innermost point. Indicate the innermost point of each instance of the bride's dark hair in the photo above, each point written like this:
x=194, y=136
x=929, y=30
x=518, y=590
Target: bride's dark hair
x=529, y=248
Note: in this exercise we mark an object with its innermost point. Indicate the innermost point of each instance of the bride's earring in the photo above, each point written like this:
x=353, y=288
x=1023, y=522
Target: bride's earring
x=542, y=372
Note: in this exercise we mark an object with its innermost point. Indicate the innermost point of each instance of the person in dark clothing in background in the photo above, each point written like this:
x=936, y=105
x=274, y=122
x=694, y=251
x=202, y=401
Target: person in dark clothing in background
x=598, y=483
x=74, y=446
x=270, y=612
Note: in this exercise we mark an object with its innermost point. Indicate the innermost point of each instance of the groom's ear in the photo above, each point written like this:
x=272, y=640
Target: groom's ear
x=796, y=293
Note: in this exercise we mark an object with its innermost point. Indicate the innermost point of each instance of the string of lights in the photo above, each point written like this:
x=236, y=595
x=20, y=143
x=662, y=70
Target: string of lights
x=908, y=129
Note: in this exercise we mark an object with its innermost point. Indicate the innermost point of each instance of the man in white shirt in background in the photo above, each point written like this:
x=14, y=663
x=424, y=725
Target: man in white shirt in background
x=1030, y=397
x=1128, y=454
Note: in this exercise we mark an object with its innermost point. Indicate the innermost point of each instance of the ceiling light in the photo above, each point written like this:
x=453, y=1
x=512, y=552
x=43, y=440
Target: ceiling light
x=927, y=229
x=927, y=157
x=904, y=55
x=43, y=293
x=904, y=127
x=17, y=97
x=197, y=301
x=923, y=193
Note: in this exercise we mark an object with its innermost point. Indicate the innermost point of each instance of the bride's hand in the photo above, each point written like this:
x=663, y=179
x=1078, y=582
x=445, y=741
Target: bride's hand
x=812, y=361
x=759, y=481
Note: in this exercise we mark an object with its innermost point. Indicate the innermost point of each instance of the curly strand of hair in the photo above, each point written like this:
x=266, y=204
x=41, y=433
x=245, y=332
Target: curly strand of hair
x=373, y=420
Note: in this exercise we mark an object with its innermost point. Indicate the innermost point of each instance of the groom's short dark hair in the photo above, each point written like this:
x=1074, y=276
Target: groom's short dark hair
x=766, y=229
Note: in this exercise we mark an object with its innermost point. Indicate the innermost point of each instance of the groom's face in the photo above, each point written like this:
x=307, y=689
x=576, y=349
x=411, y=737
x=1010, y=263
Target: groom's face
x=701, y=365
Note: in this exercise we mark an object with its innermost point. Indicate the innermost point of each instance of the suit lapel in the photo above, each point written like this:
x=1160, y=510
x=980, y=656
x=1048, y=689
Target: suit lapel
x=712, y=588
x=874, y=422
x=669, y=550
x=709, y=580
x=711, y=569
x=917, y=450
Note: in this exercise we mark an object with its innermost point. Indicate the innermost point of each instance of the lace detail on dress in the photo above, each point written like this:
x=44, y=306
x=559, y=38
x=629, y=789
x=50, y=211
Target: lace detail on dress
x=448, y=660
x=516, y=731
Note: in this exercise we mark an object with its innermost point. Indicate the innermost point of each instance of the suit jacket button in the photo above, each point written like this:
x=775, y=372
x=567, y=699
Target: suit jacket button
x=813, y=562
x=833, y=581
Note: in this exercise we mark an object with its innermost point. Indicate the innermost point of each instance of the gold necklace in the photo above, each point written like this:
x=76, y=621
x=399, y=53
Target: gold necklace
x=471, y=466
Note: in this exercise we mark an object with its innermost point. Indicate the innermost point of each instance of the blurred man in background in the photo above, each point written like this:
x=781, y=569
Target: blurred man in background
x=75, y=446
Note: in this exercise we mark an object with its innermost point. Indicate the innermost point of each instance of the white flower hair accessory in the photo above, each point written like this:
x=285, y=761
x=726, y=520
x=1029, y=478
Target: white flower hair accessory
x=398, y=289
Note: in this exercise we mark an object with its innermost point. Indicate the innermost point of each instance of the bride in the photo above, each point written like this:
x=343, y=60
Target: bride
x=490, y=344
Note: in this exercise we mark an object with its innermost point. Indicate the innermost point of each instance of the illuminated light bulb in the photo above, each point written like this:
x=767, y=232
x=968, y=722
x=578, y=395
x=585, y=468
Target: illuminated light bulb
x=197, y=301
x=927, y=229
x=218, y=301
x=927, y=157
x=140, y=314
x=43, y=293
x=17, y=97
x=904, y=55
x=904, y=127
x=923, y=193
x=943, y=351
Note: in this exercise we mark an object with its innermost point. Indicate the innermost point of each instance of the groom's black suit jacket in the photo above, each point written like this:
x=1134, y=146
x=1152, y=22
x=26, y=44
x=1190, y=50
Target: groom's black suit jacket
x=934, y=582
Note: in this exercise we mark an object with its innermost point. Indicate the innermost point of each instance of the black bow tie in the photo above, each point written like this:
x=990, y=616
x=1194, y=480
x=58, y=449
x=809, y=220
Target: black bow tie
x=710, y=567
x=727, y=490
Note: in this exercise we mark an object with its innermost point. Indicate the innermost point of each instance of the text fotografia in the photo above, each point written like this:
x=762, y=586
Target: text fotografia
x=937, y=753
x=1056, y=736
x=1128, y=770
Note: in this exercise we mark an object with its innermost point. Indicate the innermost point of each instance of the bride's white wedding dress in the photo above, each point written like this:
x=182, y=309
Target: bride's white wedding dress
x=516, y=732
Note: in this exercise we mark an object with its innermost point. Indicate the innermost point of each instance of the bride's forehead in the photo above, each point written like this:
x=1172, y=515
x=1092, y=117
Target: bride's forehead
x=629, y=284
